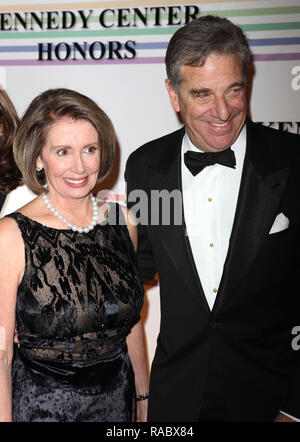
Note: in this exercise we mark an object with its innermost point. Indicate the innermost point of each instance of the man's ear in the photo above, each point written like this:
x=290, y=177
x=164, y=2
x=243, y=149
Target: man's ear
x=173, y=96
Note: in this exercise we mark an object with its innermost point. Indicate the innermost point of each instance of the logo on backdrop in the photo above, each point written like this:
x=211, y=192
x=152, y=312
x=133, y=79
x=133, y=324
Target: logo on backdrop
x=54, y=25
x=117, y=34
x=296, y=78
x=288, y=126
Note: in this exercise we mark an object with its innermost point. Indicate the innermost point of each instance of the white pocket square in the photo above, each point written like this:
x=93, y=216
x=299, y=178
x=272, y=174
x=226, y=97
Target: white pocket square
x=281, y=223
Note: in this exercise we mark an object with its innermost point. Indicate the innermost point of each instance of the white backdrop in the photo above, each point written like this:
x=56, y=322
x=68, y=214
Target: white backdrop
x=131, y=90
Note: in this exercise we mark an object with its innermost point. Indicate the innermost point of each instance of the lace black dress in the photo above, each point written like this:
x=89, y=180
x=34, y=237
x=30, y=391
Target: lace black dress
x=78, y=299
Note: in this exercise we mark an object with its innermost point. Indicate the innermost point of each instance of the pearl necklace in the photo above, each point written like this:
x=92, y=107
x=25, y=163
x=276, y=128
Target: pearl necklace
x=70, y=225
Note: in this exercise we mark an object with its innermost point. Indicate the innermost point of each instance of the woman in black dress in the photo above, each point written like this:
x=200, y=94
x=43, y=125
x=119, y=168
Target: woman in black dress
x=68, y=276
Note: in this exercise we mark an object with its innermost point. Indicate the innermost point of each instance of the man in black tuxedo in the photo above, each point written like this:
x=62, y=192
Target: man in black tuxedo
x=229, y=271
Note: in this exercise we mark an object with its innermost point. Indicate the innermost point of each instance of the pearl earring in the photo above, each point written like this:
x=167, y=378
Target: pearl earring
x=38, y=170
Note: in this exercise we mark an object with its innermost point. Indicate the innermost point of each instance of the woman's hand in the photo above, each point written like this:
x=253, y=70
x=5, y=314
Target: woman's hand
x=141, y=410
x=16, y=338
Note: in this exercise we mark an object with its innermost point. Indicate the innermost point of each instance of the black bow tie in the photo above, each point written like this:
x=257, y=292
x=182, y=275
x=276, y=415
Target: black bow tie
x=196, y=161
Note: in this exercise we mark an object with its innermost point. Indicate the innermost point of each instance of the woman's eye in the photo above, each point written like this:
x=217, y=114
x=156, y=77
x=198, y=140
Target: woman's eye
x=61, y=152
x=91, y=149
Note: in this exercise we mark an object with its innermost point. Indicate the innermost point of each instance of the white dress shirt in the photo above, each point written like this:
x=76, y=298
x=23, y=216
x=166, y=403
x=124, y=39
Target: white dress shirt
x=209, y=204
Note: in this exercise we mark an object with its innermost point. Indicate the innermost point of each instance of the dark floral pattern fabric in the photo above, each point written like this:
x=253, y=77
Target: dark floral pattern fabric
x=79, y=297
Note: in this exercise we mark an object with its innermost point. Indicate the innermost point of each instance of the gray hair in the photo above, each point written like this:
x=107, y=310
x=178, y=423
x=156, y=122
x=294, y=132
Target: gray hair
x=194, y=42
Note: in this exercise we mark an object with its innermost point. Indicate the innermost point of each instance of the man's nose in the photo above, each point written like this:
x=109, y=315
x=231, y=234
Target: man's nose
x=221, y=109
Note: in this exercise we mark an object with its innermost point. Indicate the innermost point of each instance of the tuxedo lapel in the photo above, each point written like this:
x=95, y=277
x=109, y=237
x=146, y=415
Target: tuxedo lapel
x=259, y=197
x=167, y=177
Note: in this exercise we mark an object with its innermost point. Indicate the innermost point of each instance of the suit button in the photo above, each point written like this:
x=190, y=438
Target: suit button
x=214, y=324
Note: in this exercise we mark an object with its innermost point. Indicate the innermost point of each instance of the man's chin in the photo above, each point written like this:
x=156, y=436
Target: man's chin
x=219, y=149
x=214, y=142
x=218, y=145
x=222, y=142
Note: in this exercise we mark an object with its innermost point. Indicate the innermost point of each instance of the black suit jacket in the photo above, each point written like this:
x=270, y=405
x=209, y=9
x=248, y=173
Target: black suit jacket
x=245, y=341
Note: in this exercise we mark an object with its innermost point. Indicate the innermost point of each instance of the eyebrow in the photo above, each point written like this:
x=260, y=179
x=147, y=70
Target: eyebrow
x=200, y=91
x=237, y=84
x=205, y=90
x=66, y=146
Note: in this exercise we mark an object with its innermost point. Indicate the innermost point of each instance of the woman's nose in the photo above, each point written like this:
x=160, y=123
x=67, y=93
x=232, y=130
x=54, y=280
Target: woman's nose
x=78, y=165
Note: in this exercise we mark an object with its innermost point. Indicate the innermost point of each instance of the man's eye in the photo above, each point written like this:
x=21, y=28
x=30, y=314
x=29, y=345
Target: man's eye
x=202, y=96
x=235, y=91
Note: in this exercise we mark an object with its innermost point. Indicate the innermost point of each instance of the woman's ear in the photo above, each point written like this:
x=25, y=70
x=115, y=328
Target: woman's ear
x=39, y=163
